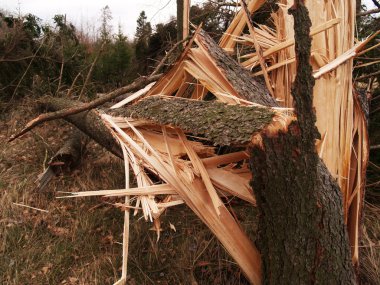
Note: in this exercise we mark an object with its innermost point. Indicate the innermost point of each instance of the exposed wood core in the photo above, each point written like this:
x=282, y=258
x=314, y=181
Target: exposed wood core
x=214, y=71
x=194, y=185
x=218, y=122
x=186, y=18
x=227, y=42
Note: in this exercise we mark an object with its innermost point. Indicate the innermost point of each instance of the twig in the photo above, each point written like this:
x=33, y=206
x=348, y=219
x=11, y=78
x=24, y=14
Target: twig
x=61, y=71
x=375, y=146
x=29, y=207
x=162, y=62
x=368, y=75
x=70, y=91
x=369, y=12
x=137, y=84
x=90, y=71
x=27, y=69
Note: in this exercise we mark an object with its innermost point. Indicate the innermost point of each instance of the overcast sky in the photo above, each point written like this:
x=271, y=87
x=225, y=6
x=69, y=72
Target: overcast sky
x=86, y=13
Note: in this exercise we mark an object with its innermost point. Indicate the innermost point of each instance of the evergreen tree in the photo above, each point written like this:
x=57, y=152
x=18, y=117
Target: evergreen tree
x=105, y=28
x=143, y=33
x=144, y=29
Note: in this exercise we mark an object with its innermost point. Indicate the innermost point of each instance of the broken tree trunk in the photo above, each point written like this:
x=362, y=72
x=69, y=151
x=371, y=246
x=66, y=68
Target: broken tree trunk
x=302, y=236
x=89, y=122
x=226, y=125
x=69, y=154
x=66, y=158
x=218, y=122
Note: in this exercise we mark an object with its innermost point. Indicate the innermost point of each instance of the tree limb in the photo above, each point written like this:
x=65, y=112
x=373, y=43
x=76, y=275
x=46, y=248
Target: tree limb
x=218, y=122
x=375, y=146
x=376, y=3
x=90, y=71
x=369, y=12
x=137, y=84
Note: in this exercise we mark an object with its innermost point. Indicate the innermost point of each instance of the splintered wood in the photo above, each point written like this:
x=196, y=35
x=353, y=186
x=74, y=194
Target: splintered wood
x=340, y=119
x=173, y=166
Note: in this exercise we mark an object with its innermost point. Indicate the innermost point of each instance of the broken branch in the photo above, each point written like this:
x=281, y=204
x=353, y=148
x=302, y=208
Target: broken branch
x=140, y=82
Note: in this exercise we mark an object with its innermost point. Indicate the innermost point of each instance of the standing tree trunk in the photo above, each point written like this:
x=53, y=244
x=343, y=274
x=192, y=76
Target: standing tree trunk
x=180, y=15
x=302, y=235
x=180, y=4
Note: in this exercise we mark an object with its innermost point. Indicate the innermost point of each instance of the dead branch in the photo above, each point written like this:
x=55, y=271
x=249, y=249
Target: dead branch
x=375, y=146
x=369, y=12
x=66, y=158
x=27, y=69
x=91, y=70
x=90, y=122
x=165, y=58
x=368, y=75
x=139, y=83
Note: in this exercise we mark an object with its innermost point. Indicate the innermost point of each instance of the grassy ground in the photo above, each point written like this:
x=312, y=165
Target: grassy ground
x=79, y=240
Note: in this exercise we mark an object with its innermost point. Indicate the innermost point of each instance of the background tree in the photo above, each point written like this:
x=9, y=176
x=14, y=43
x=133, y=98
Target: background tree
x=142, y=35
x=105, y=29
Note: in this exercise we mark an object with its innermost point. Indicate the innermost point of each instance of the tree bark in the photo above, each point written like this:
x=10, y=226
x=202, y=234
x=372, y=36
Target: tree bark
x=180, y=21
x=302, y=236
x=70, y=152
x=220, y=123
x=88, y=122
x=247, y=87
x=66, y=158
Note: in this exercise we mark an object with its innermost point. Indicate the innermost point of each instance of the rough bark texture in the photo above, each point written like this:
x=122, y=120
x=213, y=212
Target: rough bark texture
x=218, y=122
x=66, y=158
x=240, y=78
x=88, y=122
x=302, y=236
x=180, y=21
x=70, y=152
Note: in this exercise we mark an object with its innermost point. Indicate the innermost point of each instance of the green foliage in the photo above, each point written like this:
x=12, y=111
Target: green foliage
x=143, y=33
x=113, y=64
x=214, y=17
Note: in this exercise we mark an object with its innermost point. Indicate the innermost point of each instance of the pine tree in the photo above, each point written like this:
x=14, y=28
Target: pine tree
x=105, y=28
x=143, y=33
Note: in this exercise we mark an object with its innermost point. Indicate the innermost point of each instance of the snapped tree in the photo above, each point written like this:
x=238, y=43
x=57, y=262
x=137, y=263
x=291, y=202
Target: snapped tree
x=302, y=236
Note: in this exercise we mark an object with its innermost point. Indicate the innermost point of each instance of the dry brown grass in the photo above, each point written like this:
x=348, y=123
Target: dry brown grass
x=370, y=253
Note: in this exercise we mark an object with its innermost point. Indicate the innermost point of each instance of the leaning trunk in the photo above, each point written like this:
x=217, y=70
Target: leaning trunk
x=89, y=122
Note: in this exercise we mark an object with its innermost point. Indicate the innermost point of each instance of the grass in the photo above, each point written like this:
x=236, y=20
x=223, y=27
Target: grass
x=79, y=240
